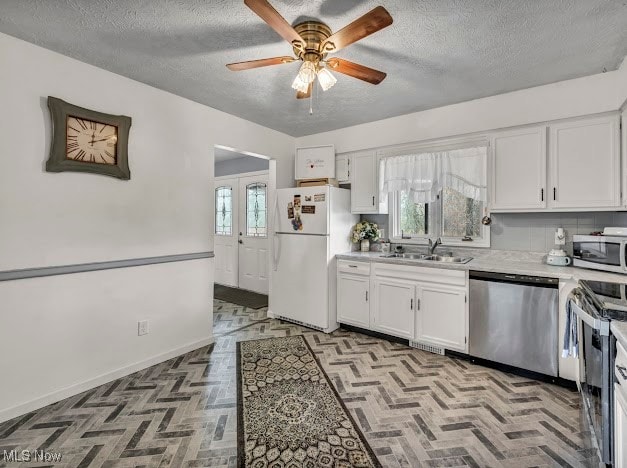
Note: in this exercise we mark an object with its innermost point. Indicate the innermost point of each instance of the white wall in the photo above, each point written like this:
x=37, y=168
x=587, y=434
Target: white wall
x=581, y=96
x=70, y=329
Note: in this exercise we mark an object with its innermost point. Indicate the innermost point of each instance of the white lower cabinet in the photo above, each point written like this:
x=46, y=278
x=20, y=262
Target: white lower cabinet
x=352, y=299
x=620, y=428
x=423, y=304
x=393, y=307
x=441, y=317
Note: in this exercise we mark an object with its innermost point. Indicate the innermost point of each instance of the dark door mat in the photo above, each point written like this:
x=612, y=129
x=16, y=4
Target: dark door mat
x=241, y=297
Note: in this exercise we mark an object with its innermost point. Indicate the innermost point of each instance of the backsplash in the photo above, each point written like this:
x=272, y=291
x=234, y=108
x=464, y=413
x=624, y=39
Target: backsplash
x=535, y=232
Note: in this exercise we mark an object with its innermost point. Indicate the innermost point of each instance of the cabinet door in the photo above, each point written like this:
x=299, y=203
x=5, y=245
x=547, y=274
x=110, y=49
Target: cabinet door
x=519, y=169
x=315, y=162
x=364, y=184
x=441, y=316
x=393, y=307
x=620, y=428
x=342, y=169
x=352, y=300
x=584, y=163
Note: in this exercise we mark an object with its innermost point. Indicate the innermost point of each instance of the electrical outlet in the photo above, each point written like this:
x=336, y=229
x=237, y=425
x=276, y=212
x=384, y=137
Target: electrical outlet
x=142, y=327
x=560, y=237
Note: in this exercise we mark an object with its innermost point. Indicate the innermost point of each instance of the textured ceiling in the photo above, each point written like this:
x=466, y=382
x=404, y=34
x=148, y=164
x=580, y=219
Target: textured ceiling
x=437, y=52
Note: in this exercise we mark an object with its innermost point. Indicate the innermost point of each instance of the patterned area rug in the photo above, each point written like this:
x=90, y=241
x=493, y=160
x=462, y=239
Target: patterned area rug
x=289, y=414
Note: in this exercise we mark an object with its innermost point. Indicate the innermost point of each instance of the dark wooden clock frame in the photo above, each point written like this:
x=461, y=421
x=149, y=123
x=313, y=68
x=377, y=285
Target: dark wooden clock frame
x=58, y=162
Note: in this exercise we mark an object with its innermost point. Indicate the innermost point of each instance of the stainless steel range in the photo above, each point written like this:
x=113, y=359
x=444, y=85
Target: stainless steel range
x=596, y=304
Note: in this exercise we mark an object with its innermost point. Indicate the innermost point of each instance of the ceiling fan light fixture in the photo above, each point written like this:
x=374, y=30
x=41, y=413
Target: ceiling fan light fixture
x=299, y=85
x=307, y=72
x=326, y=79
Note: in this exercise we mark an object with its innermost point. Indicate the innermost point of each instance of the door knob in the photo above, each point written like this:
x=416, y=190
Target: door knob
x=240, y=241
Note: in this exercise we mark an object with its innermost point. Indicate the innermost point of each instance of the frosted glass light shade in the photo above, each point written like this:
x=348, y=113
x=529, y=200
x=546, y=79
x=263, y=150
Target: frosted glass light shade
x=307, y=72
x=300, y=85
x=326, y=79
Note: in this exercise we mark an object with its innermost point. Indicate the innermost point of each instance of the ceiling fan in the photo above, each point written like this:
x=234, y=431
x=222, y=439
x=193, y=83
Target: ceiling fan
x=312, y=41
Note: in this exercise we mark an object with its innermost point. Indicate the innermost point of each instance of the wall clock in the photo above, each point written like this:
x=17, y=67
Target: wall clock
x=84, y=140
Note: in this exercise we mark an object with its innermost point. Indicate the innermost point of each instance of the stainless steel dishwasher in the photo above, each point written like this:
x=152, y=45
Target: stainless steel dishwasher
x=514, y=320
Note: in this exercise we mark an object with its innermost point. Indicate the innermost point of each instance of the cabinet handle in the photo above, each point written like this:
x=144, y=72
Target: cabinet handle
x=417, y=304
x=366, y=296
x=373, y=200
x=554, y=193
x=352, y=266
x=542, y=194
x=411, y=304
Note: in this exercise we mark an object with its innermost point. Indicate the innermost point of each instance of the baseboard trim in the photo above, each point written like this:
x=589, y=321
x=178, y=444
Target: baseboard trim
x=80, y=387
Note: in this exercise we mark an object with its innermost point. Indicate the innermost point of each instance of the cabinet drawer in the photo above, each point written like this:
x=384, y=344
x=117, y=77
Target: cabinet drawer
x=422, y=274
x=357, y=268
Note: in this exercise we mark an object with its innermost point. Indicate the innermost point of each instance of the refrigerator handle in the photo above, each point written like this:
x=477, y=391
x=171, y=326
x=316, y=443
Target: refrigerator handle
x=275, y=245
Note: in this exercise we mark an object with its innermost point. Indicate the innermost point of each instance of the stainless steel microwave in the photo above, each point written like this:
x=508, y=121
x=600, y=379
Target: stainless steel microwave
x=606, y=253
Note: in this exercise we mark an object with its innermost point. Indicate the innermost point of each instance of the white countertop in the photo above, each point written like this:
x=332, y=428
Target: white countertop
x=498, y=262
x=619, y=329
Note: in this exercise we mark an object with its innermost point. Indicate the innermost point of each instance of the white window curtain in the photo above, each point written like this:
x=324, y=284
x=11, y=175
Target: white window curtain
x=424, y=175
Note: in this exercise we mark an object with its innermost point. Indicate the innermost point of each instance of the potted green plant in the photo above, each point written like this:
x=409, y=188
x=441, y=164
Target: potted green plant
x=364, y=232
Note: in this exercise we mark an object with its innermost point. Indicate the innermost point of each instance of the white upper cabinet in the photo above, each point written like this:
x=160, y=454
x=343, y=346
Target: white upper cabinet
x=343, y=168
x=584, y=163
x=365, y=184
x=519, y=169
x=315, y=162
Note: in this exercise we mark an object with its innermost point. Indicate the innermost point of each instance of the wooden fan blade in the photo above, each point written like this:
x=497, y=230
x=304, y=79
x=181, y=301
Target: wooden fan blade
x=300, y=95
x=370, y=23
x=356, y=71
x=267, y=13
x=239, y=66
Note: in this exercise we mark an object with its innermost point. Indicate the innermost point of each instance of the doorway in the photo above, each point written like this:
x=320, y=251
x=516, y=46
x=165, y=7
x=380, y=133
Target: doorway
x=241, y=224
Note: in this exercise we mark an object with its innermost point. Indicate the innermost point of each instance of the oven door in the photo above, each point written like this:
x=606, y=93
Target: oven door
x=595, y=377
x=600, y=253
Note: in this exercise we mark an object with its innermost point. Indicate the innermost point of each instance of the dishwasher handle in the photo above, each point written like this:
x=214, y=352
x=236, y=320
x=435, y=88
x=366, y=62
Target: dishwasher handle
x=514, y=278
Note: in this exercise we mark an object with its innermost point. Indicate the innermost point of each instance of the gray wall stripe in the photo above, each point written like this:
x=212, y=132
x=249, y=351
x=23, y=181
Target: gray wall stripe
x=10, y=275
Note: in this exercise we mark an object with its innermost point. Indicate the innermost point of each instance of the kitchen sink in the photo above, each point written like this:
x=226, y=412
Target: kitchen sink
x=412, y=256
x=449, y=258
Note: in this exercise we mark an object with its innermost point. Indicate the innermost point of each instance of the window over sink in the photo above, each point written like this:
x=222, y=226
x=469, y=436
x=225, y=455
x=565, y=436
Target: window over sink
x=438, y=194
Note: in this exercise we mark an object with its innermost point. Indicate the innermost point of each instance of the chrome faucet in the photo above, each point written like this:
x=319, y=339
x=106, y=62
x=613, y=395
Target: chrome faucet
x=434, y=245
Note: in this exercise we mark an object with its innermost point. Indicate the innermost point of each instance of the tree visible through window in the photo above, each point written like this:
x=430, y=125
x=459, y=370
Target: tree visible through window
x=461, y=216
x=414, y=216
x=452, y=215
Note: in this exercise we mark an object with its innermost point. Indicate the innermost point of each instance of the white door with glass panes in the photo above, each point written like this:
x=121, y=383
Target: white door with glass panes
x=226, y=233
x=253, y=233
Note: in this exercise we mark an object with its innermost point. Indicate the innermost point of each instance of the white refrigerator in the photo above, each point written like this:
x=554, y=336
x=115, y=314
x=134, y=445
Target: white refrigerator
x=311, y=226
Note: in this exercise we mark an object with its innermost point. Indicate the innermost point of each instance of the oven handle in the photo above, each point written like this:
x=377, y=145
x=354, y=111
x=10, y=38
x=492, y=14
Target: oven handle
x=575, y=300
